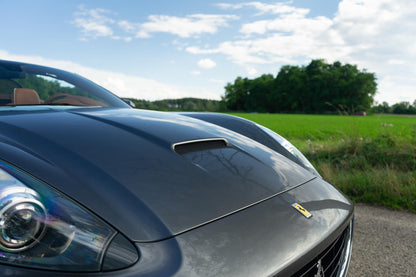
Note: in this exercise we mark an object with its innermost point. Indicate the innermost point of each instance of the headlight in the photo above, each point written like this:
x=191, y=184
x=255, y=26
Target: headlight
x=22, y=217
x=290, y=148
x=42, y=228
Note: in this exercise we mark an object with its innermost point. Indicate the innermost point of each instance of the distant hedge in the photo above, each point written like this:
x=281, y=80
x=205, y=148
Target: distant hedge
x=183, y=104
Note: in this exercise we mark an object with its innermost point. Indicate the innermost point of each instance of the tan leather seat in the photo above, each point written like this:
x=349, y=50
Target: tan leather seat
x=25, y=96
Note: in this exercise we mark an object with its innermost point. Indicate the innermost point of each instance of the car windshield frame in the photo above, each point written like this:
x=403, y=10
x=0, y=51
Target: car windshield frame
x=97, y=96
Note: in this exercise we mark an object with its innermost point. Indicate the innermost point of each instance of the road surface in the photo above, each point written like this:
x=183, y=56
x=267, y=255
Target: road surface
x=384, y=242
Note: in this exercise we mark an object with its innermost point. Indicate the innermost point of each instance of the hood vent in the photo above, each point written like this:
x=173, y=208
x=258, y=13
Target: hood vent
x=199, y=145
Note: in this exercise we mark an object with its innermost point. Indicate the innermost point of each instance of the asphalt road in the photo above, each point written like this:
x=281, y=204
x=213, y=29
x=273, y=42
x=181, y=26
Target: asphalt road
x=384, y=243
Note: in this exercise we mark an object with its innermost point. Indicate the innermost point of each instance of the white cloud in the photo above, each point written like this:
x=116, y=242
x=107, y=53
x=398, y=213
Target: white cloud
x=93, y=23
x=263, y=8
x=96, y=23
x=395, y=89
x=127, y=26
x=239, y=52
x=251, y=71
x=207, y=64
x=291, y=23
x=290, y=35
x=381, y=38
x=121, y=84
x=190, y=26
x=126, y=39
x=195, y=72
x=217, y=81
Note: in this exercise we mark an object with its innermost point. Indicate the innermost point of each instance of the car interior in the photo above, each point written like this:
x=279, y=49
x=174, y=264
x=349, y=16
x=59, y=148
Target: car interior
x=13, y=94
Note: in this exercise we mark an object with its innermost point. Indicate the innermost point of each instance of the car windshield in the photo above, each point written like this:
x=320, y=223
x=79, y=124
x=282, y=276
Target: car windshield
x=31, y=85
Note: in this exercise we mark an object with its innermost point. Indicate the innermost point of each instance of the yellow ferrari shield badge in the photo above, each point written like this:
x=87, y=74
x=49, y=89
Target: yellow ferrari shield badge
x=302, y=210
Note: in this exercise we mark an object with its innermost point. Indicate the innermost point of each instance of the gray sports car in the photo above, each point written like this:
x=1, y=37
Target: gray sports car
x=90, y=186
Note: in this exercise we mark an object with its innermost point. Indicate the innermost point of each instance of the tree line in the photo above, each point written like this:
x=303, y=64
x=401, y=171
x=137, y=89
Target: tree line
x=399, y=108
x=318, y=87
x=183, y=104
x=205, y=105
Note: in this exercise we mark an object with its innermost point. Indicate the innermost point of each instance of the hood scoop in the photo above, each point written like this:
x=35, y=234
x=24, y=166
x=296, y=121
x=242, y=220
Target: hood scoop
x=199, y=145
x=228, y=164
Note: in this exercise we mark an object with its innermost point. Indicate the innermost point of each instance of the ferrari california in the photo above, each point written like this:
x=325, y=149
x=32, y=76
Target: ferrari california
x=90, y=186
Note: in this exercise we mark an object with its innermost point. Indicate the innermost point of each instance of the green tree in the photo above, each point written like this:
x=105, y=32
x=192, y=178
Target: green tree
x=290, y=93
x=403, y=108
x=318, y=87
x=258, y=95
x=382, y=108
x=236, y=94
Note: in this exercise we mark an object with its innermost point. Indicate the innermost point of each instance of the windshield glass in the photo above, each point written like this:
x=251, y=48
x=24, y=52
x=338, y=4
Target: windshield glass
x=31, y=85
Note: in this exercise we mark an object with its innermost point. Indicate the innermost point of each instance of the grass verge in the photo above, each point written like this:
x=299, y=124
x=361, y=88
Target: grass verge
x=377, y=171
x=370, y=159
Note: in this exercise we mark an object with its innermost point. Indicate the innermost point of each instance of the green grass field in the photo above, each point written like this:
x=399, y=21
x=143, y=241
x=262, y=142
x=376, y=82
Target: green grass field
x=322, y=127
x=372, y=159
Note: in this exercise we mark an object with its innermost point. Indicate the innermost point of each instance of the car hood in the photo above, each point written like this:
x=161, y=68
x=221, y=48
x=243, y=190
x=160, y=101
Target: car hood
x=151, y=175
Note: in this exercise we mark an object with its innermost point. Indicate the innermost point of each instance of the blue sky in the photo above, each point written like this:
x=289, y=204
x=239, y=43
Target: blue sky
x=170, y=49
